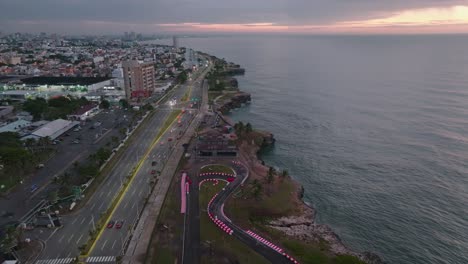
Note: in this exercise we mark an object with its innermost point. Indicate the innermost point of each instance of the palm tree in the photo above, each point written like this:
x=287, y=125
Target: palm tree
x=270, y=175
x=248, y=128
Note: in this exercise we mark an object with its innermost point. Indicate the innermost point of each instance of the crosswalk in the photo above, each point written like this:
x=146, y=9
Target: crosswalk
x=99, y=259
x=55, y=261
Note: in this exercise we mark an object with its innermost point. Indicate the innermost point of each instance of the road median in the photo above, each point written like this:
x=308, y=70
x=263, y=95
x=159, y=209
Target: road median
x=87, y=248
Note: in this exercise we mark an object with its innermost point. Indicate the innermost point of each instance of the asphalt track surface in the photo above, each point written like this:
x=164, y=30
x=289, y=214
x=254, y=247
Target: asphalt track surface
x=191, y=239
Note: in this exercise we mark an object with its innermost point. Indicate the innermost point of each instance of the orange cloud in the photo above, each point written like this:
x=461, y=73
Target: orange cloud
x=452, y=19
x=436, y=16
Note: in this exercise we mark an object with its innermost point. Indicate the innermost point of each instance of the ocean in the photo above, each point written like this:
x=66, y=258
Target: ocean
x=374, y=127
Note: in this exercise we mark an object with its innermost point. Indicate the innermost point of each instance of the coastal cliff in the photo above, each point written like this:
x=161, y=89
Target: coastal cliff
x=299, y=222
x=234, y=101
x=272, y=202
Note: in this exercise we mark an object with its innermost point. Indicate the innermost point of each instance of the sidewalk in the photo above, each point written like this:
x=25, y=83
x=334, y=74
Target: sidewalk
x=141, y=238
x=138, y=245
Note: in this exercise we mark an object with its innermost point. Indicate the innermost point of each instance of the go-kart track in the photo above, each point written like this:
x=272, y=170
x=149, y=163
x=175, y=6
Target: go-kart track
x=215, y=210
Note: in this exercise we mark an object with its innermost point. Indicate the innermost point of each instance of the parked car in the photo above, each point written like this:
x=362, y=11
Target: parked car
x=153, y=172
x=34, y=188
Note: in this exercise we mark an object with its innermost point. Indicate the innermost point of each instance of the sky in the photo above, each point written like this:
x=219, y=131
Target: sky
x=239, y=16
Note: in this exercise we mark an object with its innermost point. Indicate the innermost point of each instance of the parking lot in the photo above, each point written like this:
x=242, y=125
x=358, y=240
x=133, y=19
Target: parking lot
x=73, y=146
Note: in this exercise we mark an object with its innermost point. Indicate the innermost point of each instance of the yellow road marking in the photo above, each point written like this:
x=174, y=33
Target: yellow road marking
x=140, y=163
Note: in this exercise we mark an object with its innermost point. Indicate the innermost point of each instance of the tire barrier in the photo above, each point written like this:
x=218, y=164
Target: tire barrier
x=217, y=174
x=271, y=245
x=218, y=222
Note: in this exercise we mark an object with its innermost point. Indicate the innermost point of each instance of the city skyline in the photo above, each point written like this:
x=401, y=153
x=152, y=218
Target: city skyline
x=209, y=16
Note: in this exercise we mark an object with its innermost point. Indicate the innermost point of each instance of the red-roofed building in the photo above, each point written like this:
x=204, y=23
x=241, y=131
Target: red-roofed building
x=84, y=112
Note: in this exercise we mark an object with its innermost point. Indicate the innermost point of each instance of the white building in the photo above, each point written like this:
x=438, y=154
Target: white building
x=16, y=126
x=53, y=129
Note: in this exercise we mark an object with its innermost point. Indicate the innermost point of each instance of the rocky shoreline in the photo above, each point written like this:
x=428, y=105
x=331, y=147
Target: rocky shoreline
x=301, y=225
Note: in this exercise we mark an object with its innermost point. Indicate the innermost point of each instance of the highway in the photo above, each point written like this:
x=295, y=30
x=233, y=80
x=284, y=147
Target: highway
x=62, y=244
x=131, y=206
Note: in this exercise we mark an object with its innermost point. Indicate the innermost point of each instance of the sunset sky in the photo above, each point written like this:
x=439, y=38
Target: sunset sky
x=240, y=16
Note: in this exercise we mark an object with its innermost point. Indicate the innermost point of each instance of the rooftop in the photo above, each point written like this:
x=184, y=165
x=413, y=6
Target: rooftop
x=43, y=80
x=15, y=126
x=55, y=128
x=84, y=109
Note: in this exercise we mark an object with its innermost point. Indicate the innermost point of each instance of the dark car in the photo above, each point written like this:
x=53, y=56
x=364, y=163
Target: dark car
x=110, y=224
x=153, y=172
x=153, y=163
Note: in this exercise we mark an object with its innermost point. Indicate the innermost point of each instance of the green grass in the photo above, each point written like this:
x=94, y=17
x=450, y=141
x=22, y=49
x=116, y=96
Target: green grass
x=163, y=255
x=186, y=96
x=246, y=210
x=217, y=168
x=223, y=245
x=165, y=246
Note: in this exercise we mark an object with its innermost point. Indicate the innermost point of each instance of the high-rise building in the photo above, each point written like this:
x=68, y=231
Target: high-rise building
x=139, y=79
x=175, y=42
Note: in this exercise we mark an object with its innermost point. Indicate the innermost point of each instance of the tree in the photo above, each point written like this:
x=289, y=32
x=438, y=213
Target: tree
x=257, y=189
x=148, y=107
x=115, y=139
x=239, y=127
x=182, y=77
x=29, y=144
x=9, y=239
x=271, y=175
x=36, y=107
x=124, y=103
x=104, y=104
x=284, y=174
x=53, y=197
x=248, y=128
x=102, y=155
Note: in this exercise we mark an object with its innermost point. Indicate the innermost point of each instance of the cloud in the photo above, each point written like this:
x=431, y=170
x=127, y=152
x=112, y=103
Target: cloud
x=153, y=16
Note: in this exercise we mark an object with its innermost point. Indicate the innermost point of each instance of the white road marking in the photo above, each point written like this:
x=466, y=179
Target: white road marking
x=133, y=205
x=52, y=234
x=92, y=207
x=139, y=194
x=100, y=206
x=109, y=193
x=125, y=205
x=103, y=245
x=78, y=241
x=113, y=244
x=134, y=190
x=100, y=194
x=60, y=240
x=71, y=238
x=82, y=220
x=76, y=218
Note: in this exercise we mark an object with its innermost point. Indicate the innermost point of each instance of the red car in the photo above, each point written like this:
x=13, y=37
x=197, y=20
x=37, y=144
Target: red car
x=169, y=139
x=110, y=224
x=119, y=224
x=153, y=172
